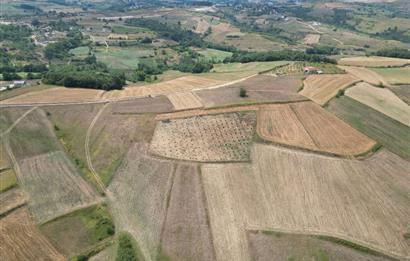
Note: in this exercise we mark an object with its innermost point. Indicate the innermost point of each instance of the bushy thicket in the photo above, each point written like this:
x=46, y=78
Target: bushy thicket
x=322, y=49
x=95, y=76
x=126, y=250
x=59, y=50
x=394, y=52
x=286, y=55
x=193, y=63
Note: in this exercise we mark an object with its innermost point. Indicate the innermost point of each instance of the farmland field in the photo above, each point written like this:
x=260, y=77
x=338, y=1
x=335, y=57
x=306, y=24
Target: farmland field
x=11, y=199
x=56, y=95
x=366, y=75
x=186, y=233
x=123, y=58
x=320, y=200
x=309, y=126
x=395, y=75
x=23, y=240
x=53, y=185
x=215, y=55
x=311, y=39
x=205, y=138
x=185, y=100
x=112, y=136
x=322, y=88
x=382, y=100
x=390, y=133
x=373, y=61
x=156, y=104
x=402, y=91
x=263, y=245
x=77, y=231
x=260, y=88
x=7, y=179
x=33, y=136
x=9, y=115
x=140, y=190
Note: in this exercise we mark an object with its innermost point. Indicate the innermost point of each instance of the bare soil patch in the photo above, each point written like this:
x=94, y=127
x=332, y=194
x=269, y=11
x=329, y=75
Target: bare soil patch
x=185, y=100
x=260, y=88
x=223, y=137
x=382, y=100
x=373, y=61
x=284, y=190
x=140, y=190
x=311, y=39
x=266, y=245
x=186, y=233
x=309, y=126
x=54, y=186
x=22, y=240
x=322, y=88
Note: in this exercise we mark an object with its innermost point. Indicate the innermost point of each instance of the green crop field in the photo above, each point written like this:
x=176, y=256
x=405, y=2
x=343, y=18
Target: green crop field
x=7, y=180
x=399, y=75
x=392, y=134
x=216, y=55
x=122, y=58
x=80, y=51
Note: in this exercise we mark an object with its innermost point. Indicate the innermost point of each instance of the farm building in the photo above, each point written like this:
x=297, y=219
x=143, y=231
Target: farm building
x=312, y=70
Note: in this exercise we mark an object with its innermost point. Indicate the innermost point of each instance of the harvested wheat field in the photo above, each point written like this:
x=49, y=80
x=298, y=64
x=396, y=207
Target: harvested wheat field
x=113, y=134
x=185, y=83
x=373, y=61
x=186, y=233
x=57, y=95
x=267, y=246
x=155, y=104
x=9, y=115
x=223, y=137
x=311, y=39
x=11, y=199
x=53, y=186
x=33, y=135
x=140, y=190
x=366, y=75
x=259, y=89
x=185, y=100
x=322, y=88
x=296, y=192
x=392, y=134
x=22, y=240
x=308, y=126
x=382, y=100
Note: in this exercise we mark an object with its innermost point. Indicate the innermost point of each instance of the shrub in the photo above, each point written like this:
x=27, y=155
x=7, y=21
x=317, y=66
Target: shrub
x=340, y=93
x=242, y=93
x=126, y=250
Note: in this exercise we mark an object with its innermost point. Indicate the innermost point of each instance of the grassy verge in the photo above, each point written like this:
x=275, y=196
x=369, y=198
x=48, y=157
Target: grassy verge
x=8, y=180
x=80, y=230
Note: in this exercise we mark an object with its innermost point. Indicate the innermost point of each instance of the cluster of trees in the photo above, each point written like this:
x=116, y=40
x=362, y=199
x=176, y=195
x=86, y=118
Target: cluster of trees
x=14, y=32
x=94, y=76
x=323, y=49
x=394, y=52
x=148, y=71
x=394, y=34
x=17, y=38
x=286, y=55
x=192, y=62
x=126, y=250
x=60, y=49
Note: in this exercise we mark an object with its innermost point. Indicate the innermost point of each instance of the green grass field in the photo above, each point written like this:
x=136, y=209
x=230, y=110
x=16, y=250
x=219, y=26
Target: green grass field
x=253, y=67
x=392, y=134
x=399, y=75
x=7, y=180
x=215, y=55
x=74, y=233
x=122, y=58
x=80, y=51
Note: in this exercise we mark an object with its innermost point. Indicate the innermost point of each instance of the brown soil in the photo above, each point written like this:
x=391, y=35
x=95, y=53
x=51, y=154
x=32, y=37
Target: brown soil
x=11, y=199
x=21, y=239
x=155, y=104
x=186, y=233
x=260, y=88
x=223, y=137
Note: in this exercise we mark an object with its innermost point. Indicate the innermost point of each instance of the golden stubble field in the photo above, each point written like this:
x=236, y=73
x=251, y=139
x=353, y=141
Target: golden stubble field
x=297, y=192
x=373, y=61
